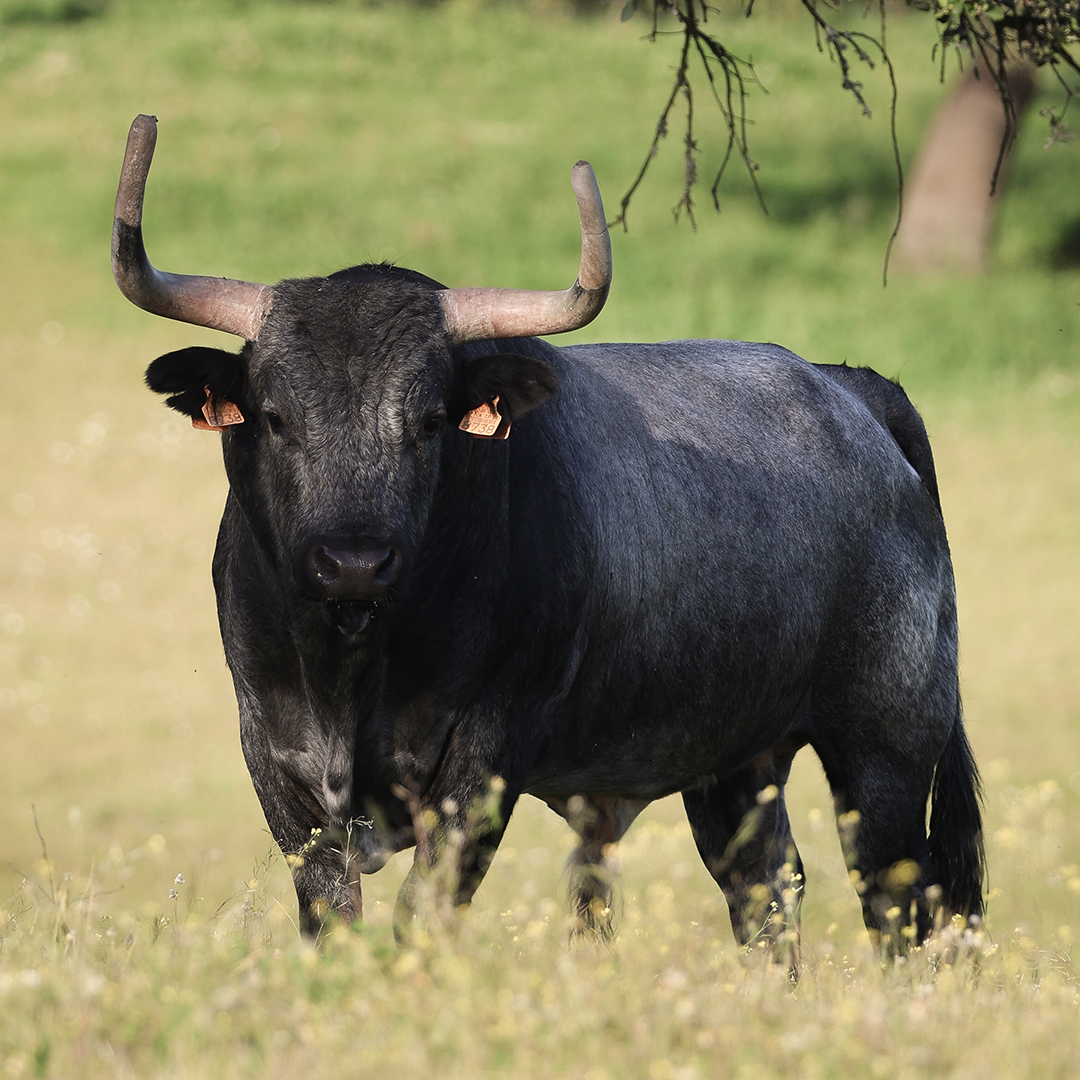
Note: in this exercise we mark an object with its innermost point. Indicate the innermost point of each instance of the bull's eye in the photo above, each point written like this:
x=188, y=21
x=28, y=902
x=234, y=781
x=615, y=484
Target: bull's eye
x=274, y=422
x=433, y=425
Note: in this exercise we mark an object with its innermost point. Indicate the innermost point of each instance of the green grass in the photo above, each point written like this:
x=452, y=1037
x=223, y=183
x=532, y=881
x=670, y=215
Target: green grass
x=296, y=138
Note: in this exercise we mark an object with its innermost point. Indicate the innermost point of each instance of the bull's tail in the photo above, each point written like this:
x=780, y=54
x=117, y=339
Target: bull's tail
x=956, y=839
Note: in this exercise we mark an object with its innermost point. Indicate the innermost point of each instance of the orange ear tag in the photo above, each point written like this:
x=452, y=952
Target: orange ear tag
x=219, y=414
x=484, y=422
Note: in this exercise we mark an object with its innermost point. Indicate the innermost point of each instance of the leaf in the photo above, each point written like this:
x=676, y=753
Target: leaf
x=628, y=10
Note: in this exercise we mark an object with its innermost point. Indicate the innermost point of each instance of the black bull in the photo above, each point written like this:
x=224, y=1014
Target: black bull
x=687, y=561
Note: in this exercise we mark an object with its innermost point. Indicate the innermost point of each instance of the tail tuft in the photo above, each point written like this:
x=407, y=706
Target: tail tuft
x=956, y=838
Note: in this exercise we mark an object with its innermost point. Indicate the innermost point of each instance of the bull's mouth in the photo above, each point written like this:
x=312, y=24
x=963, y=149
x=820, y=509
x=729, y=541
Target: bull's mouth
x=351, y=617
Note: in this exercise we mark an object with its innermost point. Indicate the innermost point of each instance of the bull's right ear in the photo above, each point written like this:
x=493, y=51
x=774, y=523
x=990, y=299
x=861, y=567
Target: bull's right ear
x=197, y=374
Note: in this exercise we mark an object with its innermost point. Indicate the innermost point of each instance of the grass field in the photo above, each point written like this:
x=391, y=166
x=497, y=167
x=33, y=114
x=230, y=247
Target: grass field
x=296, y=138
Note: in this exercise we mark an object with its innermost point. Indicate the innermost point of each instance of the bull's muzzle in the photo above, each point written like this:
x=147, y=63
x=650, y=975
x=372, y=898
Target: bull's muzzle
x=351, y=569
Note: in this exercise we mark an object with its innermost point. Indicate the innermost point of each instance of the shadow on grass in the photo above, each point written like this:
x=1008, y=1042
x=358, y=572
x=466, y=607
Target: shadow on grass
x=1066, y=253
x=48, y=14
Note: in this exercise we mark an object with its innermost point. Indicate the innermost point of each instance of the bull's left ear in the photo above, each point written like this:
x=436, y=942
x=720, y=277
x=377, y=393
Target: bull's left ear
x=521, y=383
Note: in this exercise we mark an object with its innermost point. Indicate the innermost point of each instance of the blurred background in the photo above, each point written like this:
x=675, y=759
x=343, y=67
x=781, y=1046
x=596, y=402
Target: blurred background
x=297, y=138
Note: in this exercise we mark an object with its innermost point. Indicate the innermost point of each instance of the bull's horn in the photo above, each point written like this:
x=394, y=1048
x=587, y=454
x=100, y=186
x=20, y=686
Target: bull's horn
x=237, y=307
x=484, y=314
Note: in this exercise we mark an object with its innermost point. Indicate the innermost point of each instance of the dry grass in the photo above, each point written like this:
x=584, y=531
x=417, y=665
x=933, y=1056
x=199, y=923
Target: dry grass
x=92, y=989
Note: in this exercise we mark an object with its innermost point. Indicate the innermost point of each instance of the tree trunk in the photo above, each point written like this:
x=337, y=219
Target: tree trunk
x=948, y=208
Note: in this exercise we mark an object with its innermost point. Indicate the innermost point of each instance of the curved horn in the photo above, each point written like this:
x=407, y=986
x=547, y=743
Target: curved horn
x=484, y=314
x=237, y=307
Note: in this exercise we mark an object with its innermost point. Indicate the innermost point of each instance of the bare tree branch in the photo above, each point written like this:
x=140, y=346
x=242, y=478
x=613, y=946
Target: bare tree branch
x=691, y=14
x=992, y=33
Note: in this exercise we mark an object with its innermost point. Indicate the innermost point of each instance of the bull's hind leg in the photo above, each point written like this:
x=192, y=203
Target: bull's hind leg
x=880, y=733
x=740, y=824
x=886, y=724
x=879, y=742
x=881, y=816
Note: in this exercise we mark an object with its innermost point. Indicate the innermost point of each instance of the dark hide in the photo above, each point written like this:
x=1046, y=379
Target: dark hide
x=687, y=561
x=892, y=409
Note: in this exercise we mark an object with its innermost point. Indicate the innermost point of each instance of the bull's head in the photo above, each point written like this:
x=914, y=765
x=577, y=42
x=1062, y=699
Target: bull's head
x=340, y=410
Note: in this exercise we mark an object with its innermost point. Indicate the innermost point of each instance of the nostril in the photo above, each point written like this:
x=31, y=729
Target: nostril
x=322, y=565
x=389, y=569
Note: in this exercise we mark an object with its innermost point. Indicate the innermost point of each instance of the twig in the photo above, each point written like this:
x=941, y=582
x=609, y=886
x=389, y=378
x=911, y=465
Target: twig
x=661, y=128
x=895, y=148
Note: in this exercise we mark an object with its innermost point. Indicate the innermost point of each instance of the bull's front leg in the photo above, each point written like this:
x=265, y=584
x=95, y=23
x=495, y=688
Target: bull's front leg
x=308, y=819
x=326, y=875
x=600, y=821
x=325, y=870
x=459, y=822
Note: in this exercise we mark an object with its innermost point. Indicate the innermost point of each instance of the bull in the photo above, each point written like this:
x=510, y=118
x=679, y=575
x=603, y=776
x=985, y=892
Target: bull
x=457, y=563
